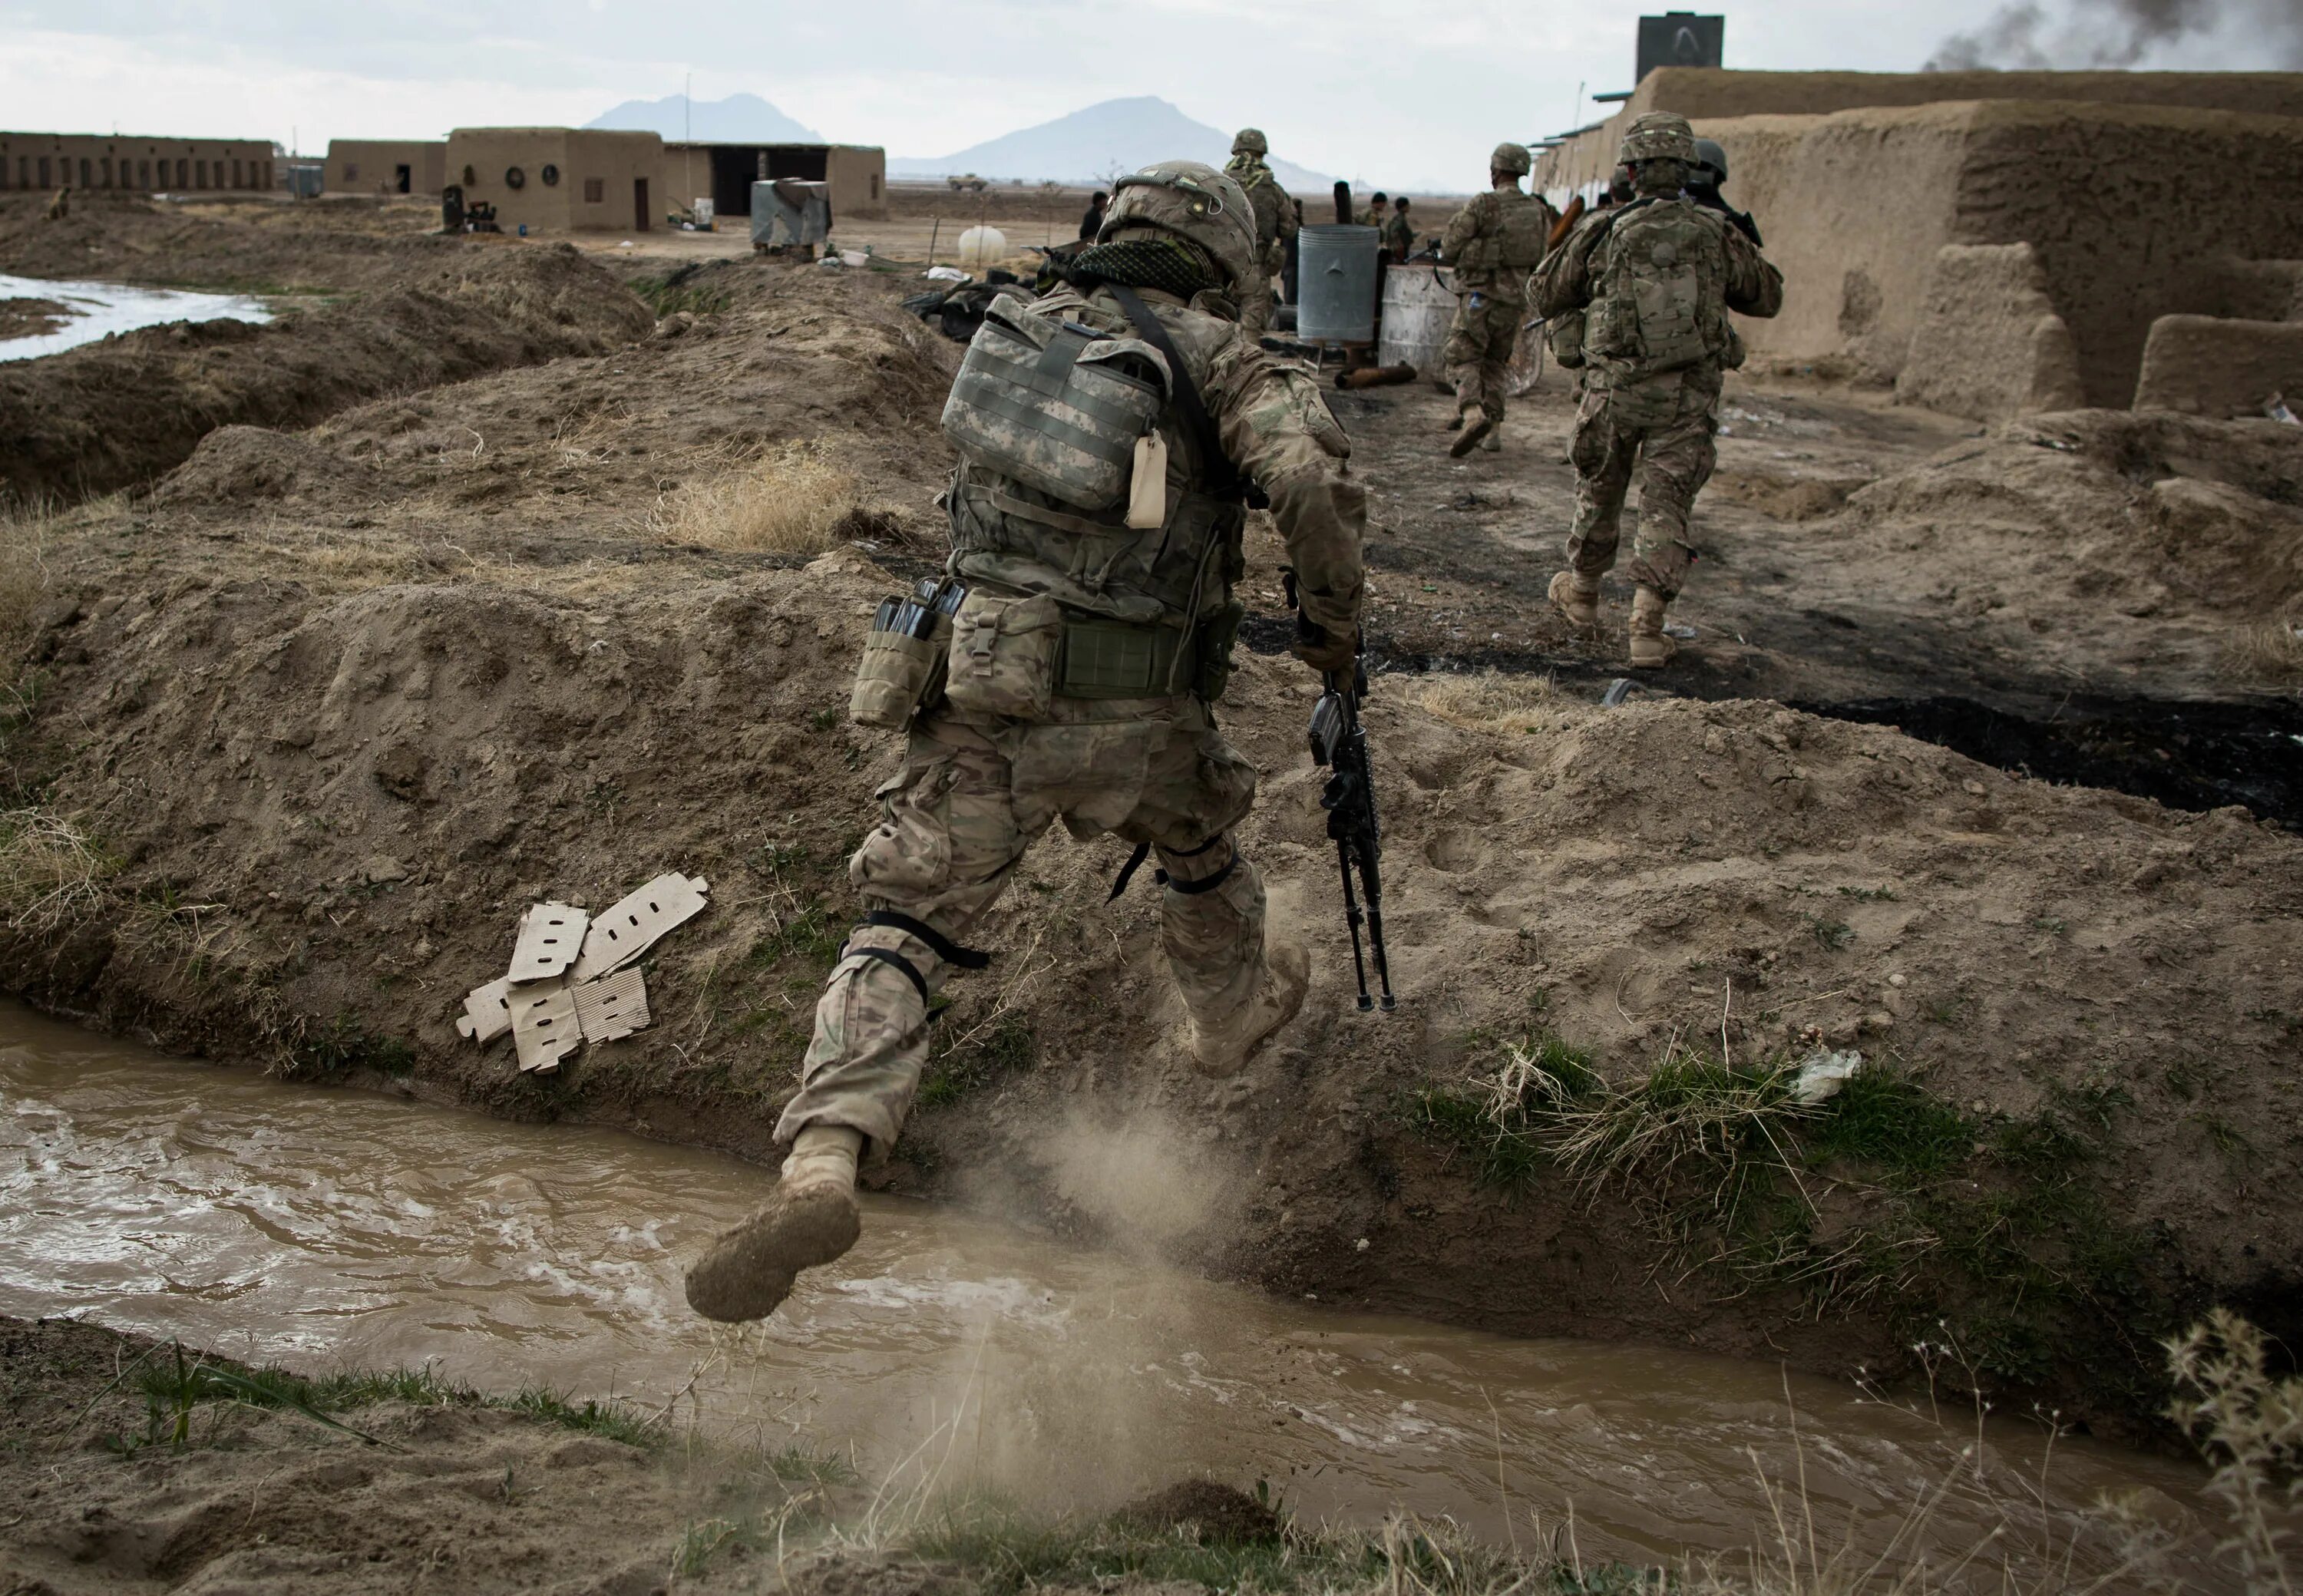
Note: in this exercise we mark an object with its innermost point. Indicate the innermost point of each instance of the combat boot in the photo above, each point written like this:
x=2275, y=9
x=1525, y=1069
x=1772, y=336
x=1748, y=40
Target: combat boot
x=1577, y=597
x=1469, y=438
x=1221, y=1048
x=1651, y=646
x=1493, y=442
x=810, y=1219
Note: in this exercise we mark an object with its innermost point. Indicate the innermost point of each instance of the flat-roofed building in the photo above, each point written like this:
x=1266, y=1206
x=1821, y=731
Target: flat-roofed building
x=140, y=165
x=724, y=172
x=561, y=180
x=386, y=165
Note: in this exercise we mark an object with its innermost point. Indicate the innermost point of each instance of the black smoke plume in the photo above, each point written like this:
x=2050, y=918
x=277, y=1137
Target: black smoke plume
x=2120, y=33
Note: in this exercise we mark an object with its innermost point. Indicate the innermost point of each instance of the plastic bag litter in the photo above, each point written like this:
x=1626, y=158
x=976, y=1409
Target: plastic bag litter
x=2278, y=410
x=1822, y=1073
x=1676, y=629
x=943, y=274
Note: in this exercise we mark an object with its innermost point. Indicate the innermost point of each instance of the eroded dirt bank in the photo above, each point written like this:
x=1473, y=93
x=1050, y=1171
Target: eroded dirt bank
x=329, y=708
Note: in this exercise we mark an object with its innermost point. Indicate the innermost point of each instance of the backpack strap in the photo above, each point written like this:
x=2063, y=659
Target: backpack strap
x=1224, y=480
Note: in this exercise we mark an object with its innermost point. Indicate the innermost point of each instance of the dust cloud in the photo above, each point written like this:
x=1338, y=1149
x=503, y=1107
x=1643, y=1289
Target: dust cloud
x=2119, y=33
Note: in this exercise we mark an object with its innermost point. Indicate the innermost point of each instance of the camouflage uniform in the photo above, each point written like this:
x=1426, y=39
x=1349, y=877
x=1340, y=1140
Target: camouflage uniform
x=1651, y=285
x=1275, y=224
x=1493, y=243
x=1399, y=235
x=976, y=788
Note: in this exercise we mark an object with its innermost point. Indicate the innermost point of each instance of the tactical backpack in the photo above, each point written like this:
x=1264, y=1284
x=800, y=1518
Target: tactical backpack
x=1659, y=301
x=1064, y=493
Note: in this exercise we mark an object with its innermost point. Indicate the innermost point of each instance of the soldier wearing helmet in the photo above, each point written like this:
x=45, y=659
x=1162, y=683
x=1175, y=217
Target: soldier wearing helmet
x=1703, y=186
x=1648, y=286
x=1492, y=243
x=1276, y=222
x=1087, y=650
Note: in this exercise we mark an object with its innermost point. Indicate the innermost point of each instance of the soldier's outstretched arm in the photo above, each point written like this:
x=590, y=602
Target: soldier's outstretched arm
x=1754, y=287
x=1277, y=427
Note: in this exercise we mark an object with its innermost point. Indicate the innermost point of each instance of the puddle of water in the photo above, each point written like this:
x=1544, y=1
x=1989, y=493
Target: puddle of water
x=338, y=1228
x=97, y=309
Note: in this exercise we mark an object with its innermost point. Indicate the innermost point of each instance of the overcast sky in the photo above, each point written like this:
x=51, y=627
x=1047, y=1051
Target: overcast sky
x=1374, y=89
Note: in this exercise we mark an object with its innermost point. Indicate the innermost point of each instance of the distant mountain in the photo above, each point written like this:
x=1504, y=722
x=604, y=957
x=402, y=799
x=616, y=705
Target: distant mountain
x=1091, y=145
x=740, y=119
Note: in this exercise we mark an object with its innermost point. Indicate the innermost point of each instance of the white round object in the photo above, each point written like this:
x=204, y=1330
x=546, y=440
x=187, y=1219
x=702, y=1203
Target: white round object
x=980, y=246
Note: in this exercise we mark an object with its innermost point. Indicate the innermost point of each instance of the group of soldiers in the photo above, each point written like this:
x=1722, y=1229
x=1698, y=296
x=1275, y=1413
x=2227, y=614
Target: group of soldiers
x=1091, y=615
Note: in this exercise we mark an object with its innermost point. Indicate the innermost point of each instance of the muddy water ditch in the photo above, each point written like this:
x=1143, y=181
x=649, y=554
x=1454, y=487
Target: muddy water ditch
x=322, y=1229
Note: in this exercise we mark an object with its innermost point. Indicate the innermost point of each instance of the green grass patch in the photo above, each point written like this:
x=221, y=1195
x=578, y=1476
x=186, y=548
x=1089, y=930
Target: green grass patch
x=960, y=1065
x=666, y=295
x=344, y=1044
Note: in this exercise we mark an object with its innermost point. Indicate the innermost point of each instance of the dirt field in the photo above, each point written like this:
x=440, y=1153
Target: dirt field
x=305, y=719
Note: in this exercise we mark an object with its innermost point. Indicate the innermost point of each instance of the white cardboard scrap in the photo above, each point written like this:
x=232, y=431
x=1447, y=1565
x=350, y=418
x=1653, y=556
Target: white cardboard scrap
x=486, y=1014
x=551, y=935
x=612, y=1007
x=543, y=1023
x=628, y=928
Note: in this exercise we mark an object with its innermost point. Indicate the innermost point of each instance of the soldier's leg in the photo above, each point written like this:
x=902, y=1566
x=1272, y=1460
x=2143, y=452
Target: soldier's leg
x=1494, y=364
x=1459, y=356
x=952, y=833
x=1603, y=457
x=1237, y=989
x=1675, y=460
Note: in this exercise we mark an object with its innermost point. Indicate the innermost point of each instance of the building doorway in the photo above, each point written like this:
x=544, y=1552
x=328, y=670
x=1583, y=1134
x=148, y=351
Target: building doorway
x=640, y=204
x=402, y=178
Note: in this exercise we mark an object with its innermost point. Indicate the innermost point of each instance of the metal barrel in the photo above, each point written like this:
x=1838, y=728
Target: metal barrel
x=1336, y=301
x=1418, y=309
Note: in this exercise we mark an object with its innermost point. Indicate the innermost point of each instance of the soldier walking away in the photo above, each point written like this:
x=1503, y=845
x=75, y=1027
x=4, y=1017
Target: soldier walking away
x=1092, y=223
x=1276, y=220
x=1493, y=243
x=1399, y=232
x=1703, y=186
x=1649, y=285
x=1088, y=644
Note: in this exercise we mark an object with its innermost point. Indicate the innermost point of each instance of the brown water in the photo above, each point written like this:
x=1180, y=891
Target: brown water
x=329, y=1229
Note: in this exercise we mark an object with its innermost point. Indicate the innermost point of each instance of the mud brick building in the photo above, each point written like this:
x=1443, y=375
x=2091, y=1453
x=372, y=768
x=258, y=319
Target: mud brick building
x=725, y=174
x=562, y=180
x=146, y=165
x=386, y=165
x=1997, y=243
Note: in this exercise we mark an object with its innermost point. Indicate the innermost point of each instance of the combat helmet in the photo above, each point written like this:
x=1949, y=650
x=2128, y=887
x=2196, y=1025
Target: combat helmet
x=1250, y=141
x=1659, y=136
x=1711, y=160
x=1513, y=158
x=1195, y=202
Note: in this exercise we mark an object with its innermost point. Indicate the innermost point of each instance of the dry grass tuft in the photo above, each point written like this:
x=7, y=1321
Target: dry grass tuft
x=50, y=871
x=25, y=533
x=788, y=501
x=1490, y=701
x=2272, y=649
x=2249, y=1426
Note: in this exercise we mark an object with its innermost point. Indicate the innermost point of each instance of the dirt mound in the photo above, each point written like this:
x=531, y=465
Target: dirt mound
x=1220, y=1515
x=111, y=414
x=2138, y=512
x=250, y=246
x=246, y=464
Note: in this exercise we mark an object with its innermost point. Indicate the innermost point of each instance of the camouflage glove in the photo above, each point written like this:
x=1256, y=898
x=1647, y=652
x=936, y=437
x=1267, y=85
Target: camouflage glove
x=1326, y=649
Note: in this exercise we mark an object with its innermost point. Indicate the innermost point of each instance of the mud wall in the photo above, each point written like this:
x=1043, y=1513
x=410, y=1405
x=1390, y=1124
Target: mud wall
x=2135, y=211
x=2208, y=366
x=1854, y=208
x=597, y=177
x=1989, y=344
x=371, y=165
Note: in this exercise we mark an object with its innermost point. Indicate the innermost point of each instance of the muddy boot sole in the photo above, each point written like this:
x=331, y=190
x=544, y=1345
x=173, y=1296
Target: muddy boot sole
x=1469, y=438
x=748, y=1271
x=1280, y=998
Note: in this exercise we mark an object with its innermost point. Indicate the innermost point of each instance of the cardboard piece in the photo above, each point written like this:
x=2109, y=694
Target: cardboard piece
x=628, y=928
x=551, y=937
x=486, y=1014
x=544, y=1028
x=612, y=1007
